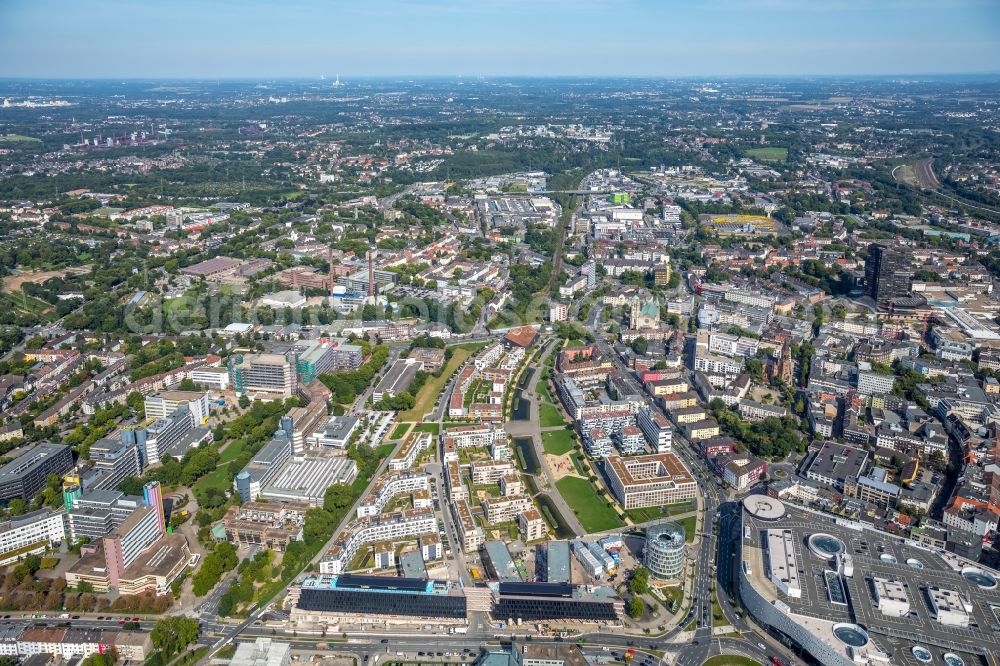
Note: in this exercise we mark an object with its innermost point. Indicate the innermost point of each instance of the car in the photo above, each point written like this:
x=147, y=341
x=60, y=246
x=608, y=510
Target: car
x=121, y=621
x=75, y=617
x=100, y=617
x=135, y=619
x=384, y=641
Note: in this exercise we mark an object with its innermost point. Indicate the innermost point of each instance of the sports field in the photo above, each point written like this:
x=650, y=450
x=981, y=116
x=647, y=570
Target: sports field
x=768, y=153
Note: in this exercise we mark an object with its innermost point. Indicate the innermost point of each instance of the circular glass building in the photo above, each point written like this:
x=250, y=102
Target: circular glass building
x=664, y=551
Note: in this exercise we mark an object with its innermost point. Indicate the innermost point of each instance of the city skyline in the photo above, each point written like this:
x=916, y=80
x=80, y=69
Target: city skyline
x=640, y=38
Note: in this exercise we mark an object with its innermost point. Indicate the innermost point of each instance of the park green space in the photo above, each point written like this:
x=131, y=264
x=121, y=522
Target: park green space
x=430, y=390
x=21, y=302
x=548, y=416
x=18, y=138
x=558, y=442
x=542, y=389
x=594, y=514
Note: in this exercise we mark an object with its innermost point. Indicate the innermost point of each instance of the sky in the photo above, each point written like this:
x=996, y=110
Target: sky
x=365, y=38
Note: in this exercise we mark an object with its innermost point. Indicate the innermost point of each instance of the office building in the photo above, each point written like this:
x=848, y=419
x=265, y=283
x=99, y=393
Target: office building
x=556, y=602
x=835, y=464
x=663, y=552
x=163, y=404
x=263, y=466
x=154, y=437
x=211, y=377
x=651, y=480
x=98, y=513
x=151, y=570
x=135, y=555
x=337, y=432
x=30, y=533
x=269, y=374
x=262, y=652
x=113, y=461
x=369, y=599
x=327, y=355
x=887, y=273
x=270, y=525
x=24, y=476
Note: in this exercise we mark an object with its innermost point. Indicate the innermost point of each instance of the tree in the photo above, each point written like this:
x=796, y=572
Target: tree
x=636, y=608
x=338, y=497
x=131, y=485
x=174, y=633
x=639, y=345
x=244, y=402
x=640, y=581
x=17, y=506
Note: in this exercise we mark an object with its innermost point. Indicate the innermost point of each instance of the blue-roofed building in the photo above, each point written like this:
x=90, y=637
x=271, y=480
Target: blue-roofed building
x=327, y=598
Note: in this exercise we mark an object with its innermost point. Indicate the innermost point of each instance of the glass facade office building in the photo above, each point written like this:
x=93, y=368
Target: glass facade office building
x=382, y=595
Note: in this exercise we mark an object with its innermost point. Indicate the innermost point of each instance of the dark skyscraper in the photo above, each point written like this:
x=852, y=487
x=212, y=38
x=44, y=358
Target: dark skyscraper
x=887, y=273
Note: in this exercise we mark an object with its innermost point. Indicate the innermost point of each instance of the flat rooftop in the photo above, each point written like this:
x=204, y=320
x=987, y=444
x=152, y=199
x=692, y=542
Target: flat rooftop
x=875, y=555
x=650, y=469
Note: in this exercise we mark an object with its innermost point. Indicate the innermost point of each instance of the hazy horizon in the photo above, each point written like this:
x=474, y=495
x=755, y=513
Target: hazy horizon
x=304, y=39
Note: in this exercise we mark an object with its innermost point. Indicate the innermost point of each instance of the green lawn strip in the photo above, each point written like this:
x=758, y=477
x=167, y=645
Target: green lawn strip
x=400, y=430
x=718, y=617
x=432, y=428
x=648, y=513
x=689, y=524
x=558, y=442
x=231, y=452
x=430, y=390
x=594, y=513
